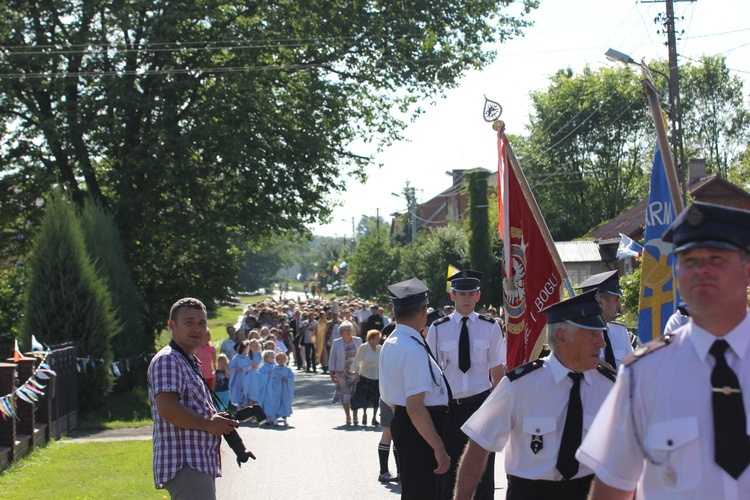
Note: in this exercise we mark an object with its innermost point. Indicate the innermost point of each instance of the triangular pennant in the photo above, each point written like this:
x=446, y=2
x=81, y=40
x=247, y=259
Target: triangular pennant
x=34, y=389
x=9, y=405
x=17, y=356
x=23, y=396
x=37, y=384
x=36, y=345
x=25, y=392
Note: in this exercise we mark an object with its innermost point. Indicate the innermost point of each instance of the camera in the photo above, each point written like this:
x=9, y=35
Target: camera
x=233, y=438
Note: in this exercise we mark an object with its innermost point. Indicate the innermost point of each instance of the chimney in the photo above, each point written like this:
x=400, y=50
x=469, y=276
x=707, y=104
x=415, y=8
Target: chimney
x=696, y=169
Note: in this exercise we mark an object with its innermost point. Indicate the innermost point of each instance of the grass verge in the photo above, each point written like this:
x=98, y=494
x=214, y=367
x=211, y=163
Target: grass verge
x=130, y=409
x=83, y=470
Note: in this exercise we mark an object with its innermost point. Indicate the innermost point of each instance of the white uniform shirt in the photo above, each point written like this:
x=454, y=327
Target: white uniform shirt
x=675, y=321
x=405, y=370
x=619, y=339
x=488, y=350
x=672, y=417
x=535, y=404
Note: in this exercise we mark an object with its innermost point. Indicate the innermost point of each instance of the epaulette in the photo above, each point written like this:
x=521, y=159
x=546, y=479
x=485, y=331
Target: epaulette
x=607, y=372
x=647, y=348
x=487, y=318
x=544, y=351
x=441, y=320
x=524, y=369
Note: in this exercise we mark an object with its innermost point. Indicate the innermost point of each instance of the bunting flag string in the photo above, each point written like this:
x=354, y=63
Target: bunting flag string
x=30, y=391
x=33, y=388
x=117, y=368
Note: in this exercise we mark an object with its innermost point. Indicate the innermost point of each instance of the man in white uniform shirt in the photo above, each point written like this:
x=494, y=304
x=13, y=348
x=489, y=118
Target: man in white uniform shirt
x=479, y=339
x=616, y=335
x=675, y=424
x=542, y=409
x=412, y=384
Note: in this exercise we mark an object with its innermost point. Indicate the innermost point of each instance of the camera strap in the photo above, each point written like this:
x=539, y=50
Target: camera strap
x=216, y=401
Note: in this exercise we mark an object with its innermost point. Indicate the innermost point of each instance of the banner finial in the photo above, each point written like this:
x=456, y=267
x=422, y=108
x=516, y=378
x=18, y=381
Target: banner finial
x=492, y=110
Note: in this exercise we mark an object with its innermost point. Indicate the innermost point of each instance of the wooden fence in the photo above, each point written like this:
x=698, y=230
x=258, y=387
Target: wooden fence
x=54, y=414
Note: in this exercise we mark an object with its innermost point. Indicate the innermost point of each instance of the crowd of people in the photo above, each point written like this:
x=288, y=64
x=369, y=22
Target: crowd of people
x=591, y=418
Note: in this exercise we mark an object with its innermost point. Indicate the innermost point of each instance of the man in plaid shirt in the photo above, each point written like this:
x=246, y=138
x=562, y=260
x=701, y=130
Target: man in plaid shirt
x=187, y=429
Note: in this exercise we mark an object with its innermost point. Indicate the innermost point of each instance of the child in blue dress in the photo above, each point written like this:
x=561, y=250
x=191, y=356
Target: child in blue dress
x=264, y=378
x=238, y=367
x=280, y=391
x=250, y=389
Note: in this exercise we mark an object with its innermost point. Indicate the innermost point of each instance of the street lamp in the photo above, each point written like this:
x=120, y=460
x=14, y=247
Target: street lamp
x=617, y=56
x=411, y=203
x=675, y=108
x=354, y=234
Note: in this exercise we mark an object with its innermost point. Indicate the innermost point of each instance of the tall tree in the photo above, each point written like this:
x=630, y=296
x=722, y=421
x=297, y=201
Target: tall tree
x=480, y=246
x=372, y=265
x=205, y=124
x=12, y=307
x=589, y=147
x=105, y=248
x=429, y=258
x=716, y=117
x=68, y=301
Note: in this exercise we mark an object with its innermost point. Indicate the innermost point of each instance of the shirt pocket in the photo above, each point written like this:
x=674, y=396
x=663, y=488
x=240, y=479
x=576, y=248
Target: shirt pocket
x=196, y=397
x=544, y=428
x=676, y=446
x=480, y=353
x=448, y=353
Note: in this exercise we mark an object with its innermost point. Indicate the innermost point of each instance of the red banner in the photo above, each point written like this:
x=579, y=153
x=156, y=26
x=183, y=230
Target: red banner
x=531, y=280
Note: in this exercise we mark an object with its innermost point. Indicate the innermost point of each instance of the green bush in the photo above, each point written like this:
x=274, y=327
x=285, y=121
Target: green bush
x=105, y=248
x=68, y=301
x=11, y=303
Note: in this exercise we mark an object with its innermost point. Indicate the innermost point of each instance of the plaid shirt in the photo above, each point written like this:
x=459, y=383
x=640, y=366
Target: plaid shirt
x=175, y=447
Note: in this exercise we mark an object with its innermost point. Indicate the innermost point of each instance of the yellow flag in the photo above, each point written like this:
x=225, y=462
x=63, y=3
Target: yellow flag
x=451, y=271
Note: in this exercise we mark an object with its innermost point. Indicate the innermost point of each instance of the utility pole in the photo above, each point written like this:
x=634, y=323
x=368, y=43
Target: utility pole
x=675, y=107
x=411, y=194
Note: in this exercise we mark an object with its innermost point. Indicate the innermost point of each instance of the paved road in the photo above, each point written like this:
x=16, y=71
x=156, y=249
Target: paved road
x=316, y=457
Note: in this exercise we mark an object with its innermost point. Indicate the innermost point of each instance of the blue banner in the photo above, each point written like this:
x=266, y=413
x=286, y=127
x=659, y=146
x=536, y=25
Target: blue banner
x=657, y=298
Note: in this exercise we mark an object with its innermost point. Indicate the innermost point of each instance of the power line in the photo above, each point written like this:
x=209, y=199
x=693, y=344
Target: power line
x=176, y=71
x=179, y=45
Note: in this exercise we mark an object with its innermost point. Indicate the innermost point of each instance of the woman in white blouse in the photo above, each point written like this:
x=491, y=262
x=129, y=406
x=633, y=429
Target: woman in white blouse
x=366, y=365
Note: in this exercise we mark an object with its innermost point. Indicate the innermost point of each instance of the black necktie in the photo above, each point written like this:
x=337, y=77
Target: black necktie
x=572, y=432
x=432, y=372
x=464, y=352
x=609, y=354
x=732, y=445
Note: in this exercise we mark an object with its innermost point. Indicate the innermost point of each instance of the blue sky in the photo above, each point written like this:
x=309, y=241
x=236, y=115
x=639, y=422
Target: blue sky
x=567, y=33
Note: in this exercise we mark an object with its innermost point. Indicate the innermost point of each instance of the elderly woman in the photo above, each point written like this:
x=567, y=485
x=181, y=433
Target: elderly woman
x=366, y=365
x=340, y=365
